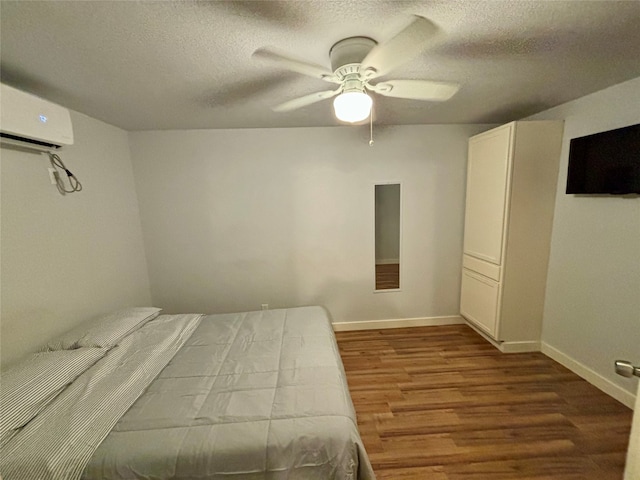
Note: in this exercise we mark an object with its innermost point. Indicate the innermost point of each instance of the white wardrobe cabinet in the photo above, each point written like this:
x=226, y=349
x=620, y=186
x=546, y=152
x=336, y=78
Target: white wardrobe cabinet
x=512, y=173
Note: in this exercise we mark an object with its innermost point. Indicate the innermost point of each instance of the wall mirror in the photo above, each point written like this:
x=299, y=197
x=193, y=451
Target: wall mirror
x=387, y=236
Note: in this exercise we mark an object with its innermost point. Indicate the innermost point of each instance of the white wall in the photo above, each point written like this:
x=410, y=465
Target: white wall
x=592, y=306
x=236, y=218
x=67, y=259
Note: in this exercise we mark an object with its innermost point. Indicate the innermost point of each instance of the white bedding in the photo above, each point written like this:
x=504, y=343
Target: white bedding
x=58, y=443
x=247, y=396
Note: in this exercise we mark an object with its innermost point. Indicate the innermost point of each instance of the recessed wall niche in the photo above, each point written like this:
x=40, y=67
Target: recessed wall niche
x=387, y=236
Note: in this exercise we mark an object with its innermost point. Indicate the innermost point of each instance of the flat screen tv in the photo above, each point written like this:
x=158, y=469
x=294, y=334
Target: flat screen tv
x=605, y=163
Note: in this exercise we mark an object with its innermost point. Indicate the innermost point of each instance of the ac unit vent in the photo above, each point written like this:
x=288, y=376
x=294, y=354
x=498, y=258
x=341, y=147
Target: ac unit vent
x=15, y=140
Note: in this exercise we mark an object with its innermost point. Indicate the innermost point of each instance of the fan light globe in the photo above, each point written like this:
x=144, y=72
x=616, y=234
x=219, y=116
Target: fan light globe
x=352, y=106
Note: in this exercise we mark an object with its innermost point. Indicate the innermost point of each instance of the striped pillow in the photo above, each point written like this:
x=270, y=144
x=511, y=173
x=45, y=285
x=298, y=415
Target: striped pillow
x=29, y=386
x=105, y=331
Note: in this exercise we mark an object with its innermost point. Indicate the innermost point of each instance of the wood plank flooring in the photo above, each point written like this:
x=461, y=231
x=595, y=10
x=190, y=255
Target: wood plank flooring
x=387, y=276
x=441, y=403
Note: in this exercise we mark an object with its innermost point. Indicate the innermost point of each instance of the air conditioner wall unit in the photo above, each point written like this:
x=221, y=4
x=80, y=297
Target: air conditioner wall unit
x=32, y=122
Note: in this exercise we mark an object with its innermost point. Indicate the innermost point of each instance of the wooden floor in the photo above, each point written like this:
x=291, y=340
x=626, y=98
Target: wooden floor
x=387, y=276
x=440, y=403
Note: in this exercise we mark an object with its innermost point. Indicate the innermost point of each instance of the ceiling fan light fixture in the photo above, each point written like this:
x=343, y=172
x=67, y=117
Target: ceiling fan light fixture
x=352, y=107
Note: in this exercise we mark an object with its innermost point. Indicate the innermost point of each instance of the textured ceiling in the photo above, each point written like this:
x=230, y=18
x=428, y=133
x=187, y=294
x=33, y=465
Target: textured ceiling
x=178, y=65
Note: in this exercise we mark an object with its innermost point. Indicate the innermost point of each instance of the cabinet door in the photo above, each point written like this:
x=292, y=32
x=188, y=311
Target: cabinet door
x=479, y=301
x=487, y=189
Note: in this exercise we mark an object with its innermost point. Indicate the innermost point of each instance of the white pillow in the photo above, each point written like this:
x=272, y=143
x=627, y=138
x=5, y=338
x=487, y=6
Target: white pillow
x=104, y=331
x=27, y=388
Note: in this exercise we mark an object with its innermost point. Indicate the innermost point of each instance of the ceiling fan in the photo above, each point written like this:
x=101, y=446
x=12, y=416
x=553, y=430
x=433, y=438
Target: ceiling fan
x=355, y=62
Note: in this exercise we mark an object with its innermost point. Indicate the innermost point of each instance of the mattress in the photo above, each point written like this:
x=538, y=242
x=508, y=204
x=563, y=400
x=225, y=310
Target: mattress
x=257, y=395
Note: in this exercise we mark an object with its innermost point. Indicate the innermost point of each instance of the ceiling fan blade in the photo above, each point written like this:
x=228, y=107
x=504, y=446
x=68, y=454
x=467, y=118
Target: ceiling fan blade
x=296, y=65
x=306, y=100
x=407, y=44
x=416, y=89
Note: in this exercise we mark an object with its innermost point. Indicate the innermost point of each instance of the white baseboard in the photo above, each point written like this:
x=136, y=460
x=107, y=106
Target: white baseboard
x=519, y=347
x=387, y=261
x=507, y=347
x=594, y=378
x=397, y=323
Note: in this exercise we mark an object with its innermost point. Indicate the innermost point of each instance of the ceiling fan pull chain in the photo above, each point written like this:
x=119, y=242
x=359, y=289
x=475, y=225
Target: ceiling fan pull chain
x=371, y=127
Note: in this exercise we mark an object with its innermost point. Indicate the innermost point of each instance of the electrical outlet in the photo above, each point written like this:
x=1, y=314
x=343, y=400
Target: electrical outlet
x=53, y=176
x=265, y=306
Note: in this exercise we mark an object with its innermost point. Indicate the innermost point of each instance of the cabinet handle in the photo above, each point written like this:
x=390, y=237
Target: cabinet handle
x=626, y=369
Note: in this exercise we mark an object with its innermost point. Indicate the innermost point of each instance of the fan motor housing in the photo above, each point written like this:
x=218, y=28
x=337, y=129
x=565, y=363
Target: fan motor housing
x=349, y=51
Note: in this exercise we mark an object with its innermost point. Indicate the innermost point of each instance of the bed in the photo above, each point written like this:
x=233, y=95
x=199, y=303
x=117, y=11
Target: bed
x=254, y=395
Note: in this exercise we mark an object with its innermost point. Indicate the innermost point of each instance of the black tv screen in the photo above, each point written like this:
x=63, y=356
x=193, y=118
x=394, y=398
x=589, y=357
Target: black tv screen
x=605, y=163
